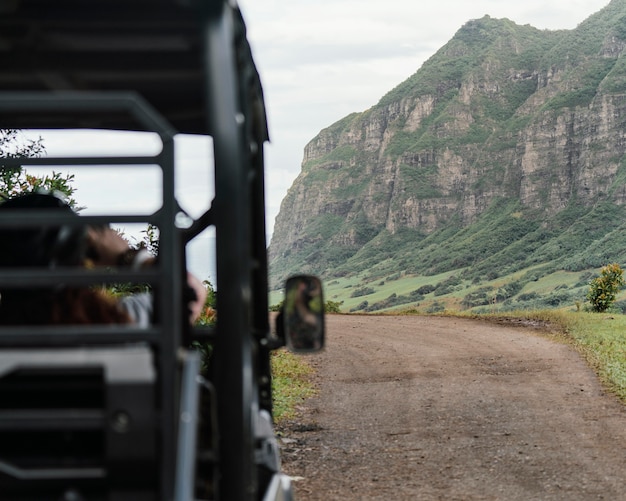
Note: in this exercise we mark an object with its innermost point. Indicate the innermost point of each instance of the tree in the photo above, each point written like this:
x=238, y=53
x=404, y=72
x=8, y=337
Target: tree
x=14, y=180
x=604, y=289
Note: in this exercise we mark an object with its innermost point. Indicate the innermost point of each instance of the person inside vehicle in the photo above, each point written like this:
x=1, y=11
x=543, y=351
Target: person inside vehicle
x=74, y=246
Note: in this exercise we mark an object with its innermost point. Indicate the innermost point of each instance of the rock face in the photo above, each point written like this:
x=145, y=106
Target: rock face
x=501, y=112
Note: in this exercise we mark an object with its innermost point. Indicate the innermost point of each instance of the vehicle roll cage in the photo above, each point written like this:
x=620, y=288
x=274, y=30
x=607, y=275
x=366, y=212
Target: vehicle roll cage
x=201, y=79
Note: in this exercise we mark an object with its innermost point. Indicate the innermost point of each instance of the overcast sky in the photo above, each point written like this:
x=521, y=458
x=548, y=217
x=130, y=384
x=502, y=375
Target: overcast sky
x=320, y=60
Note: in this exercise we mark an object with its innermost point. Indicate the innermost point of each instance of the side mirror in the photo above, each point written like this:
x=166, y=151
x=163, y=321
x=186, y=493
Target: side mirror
x=303, y=314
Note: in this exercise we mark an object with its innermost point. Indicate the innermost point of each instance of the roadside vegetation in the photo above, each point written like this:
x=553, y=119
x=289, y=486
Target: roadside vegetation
x=604, y=289
x=291, y=383
x=602, y=340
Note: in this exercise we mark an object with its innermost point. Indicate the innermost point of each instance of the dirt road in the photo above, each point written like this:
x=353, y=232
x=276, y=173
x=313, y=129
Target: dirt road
x=429, y=408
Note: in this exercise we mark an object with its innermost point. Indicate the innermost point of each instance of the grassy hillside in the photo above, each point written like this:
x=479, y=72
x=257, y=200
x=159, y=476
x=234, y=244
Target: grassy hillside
x=506, y=260
x=503, y=262
x=529, y=289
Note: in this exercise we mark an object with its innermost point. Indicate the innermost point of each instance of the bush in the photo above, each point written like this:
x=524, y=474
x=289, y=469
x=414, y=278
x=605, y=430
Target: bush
x=363, y=291
x=447, y=286
x=528, y=296
x=436, y=307
x=361, y=306
x=329, y=306
x=479, y=297
x=443, y=290
x=603, y=289
x=333, y=306
x=425, y=289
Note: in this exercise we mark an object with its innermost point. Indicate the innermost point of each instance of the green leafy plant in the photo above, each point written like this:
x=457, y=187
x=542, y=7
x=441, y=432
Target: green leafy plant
x=333, y=306
x=15, y=180
x=604, y=289
x=208, y=317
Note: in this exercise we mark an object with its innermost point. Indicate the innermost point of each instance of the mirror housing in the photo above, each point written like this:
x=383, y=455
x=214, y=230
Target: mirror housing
x=302, y=316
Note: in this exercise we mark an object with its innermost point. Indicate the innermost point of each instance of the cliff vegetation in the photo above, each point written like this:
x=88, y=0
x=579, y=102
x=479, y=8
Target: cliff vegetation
x=494, y=177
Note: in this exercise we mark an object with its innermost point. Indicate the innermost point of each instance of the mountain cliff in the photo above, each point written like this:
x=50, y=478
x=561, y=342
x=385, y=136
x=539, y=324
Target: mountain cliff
x=505, y=150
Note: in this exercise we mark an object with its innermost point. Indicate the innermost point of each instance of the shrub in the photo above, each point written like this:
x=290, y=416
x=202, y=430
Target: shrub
x=603, y=289
x=479, y=297
x=443, y=290
x=333, y=306
x=361, y=306
x=329, y=306
x=425, y=289
x=436, y=307
x=363, y=291
x=447, y=286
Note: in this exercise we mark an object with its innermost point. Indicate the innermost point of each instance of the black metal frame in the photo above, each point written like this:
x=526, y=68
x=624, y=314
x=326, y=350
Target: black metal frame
x=211, y=87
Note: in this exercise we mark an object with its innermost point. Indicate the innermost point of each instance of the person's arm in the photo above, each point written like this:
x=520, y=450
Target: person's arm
x=110, y=249
x=195, y=306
